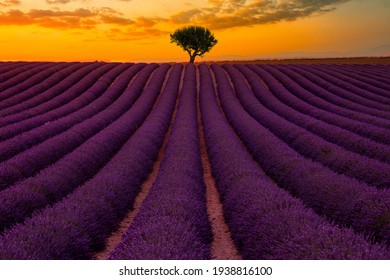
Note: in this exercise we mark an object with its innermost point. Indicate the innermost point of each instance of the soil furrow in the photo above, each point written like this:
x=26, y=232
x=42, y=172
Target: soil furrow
x=222, y=247
x=116, y=236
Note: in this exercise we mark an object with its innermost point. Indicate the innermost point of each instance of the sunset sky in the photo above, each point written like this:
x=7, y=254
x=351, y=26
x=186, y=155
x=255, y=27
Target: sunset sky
x=138, y=30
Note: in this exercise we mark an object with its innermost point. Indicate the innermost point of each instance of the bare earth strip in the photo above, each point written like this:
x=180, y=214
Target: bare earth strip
x=222, y=247
x=116, y=236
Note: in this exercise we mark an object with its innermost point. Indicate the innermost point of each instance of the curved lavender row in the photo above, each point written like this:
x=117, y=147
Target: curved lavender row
x=380, y=68
x=8, y=66
x=331, y=133
x=322, y=97
x=367, y=80
x=8, y=105
x=19, y=75
x=80, y=223
x=373, y=76
x=51, y=98
x=173, y=221
x=12, y=69
x=376, y=72
x=343, y=87
x=266, y=222
x=308, y=91
x=347, y=87
x=350, y=123
x=49, y=88
x=79, y=95
x=30, y=161
x=30, y=80
x=57, y=180
x=310, y=145
x=108, y=94
x=342, y=199
x=292, y=83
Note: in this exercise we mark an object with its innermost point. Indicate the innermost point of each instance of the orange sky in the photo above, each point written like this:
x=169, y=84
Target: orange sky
x=138, y=30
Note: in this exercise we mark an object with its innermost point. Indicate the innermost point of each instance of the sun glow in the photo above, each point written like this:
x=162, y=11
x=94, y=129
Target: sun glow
x=117, y=30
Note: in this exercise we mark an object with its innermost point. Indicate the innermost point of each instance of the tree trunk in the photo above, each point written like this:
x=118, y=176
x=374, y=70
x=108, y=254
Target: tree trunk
x=192, y=58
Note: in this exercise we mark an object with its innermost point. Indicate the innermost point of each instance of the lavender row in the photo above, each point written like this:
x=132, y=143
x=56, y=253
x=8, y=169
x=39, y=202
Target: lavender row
x=308, y=144
x=49, y=88
x=379, y=72
x=374, y=76
x=367, y=80
x=172, y=222
x=57, y=180
x=266, y=222
x=307, y=91
x=19, y=75
x=369, y=115
x=322, y=96
x=76, y=97
x=332, y=133
x=343, y=90
x=342, y=199
x=108, y=94
x=27, y=81
x=8, y=66
x=12, y=69
x=30, y=161
x=347, y=89
x=349, y=121
x=79, y=224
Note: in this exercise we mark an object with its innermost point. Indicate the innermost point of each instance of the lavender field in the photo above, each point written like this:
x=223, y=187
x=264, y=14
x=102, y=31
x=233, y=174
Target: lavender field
x=299, y=157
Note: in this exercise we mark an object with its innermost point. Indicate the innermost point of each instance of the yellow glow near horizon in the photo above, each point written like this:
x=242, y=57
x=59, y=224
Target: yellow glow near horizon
x=138, y=30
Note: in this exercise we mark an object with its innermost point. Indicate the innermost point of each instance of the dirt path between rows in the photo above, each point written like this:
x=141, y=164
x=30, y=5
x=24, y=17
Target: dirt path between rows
x=222, y=247
x=116, y=236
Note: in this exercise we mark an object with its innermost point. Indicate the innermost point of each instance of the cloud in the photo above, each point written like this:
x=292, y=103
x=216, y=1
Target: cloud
x=149, y=22
x=117, y=34
x=68, y=1
x=58, y=1
x=54, y=18
x=216, y=15
x=186, y=16
x=7, y=3
x=82, y=13
x=111, y=19
x=122, y=28
x=225, y=14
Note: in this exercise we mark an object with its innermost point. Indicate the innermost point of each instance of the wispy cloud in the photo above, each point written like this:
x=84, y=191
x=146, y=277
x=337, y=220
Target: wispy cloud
x=217, y=15
x=54, y=18
x=58, y=1
x=225, y=14
x=148, y=22
x=68, y=1
x=116, y=34
x=7, y=3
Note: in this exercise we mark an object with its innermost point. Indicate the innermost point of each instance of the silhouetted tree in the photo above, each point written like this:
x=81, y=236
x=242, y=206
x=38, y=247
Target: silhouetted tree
x=195, y=40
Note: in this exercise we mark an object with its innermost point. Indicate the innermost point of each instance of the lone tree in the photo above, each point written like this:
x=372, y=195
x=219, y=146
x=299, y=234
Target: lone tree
x=195, y=40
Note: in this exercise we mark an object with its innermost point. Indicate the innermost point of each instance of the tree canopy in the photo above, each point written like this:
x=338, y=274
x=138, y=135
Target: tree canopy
x=195, y=40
